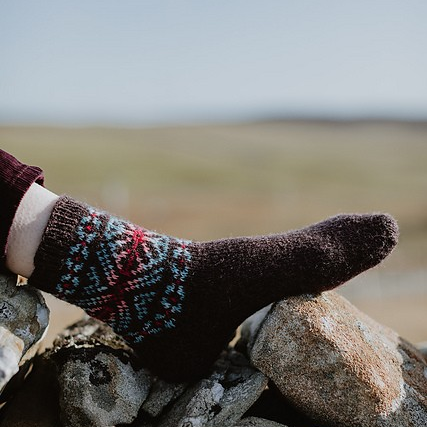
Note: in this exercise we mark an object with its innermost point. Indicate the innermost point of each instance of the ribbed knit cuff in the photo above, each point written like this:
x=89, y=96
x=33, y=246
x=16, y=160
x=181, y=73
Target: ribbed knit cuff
x=15, y=180
x=59, y=236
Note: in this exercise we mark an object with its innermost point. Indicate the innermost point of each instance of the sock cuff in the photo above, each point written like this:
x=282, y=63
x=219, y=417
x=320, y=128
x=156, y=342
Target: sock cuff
x=58, y=237
x=15, y=180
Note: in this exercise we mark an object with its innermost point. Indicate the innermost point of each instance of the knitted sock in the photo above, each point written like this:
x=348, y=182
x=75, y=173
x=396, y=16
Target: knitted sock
x=179, y=302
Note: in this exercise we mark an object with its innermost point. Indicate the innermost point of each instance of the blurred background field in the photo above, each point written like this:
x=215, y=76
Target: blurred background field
x=213, y=181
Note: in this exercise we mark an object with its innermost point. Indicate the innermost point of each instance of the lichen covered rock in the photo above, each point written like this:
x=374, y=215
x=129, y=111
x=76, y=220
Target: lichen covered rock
x=100, y=381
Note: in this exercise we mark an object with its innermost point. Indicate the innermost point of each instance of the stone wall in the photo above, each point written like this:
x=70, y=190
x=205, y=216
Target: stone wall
x=309, y=361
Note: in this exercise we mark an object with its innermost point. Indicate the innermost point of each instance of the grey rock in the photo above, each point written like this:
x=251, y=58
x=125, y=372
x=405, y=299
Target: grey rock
x=89, y=333
x=221, y=399
x=99, y=389
x=161, y=395
x=257, y=422
x=339, y=366
x=100, y=381
x=24, y=318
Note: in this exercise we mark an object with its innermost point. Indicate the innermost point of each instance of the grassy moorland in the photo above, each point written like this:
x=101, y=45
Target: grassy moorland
x=205, y=182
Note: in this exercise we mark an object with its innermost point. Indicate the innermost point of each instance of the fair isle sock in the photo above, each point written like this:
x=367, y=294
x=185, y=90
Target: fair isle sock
x=176, y=302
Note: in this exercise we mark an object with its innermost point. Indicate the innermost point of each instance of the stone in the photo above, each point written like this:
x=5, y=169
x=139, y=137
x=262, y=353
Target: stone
x=24, y=318
x=422, y=348
x=220, y=400
x=89, y=333
x=161, y=395
x=339, y=366
x=100, y=381
x=257, y=422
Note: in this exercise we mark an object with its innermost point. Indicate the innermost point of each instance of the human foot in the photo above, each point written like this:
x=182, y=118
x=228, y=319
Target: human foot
x=178, y=302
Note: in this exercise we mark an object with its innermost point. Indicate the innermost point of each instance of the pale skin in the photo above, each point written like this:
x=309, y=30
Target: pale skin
x=27, y=229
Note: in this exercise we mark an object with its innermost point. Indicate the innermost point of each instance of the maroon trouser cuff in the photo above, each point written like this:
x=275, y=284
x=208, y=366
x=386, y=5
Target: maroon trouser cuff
x=15, y=179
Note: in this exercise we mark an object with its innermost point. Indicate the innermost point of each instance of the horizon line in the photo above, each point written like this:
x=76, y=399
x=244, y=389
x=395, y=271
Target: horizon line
x=308, y=118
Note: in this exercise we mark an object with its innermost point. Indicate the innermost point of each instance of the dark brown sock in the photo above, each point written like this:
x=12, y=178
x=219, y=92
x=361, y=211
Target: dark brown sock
x=179, y=302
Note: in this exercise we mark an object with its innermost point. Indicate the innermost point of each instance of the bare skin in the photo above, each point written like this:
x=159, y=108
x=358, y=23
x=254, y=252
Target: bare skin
x=27, y=229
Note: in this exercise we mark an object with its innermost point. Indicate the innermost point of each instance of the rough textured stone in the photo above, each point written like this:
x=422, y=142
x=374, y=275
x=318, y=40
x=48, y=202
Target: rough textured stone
x=326, y=358
x=24, y=318
x=100, y=381
x=220, y=400
x=257, y=422
x=89, y=333
x=339, y=366
x=161, y=395
x=422, y=348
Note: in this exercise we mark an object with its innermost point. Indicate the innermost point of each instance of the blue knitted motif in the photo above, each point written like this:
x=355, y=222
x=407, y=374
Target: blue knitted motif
x=131, y=278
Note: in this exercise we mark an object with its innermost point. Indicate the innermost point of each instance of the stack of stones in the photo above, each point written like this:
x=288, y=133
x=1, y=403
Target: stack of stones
x=308, y=361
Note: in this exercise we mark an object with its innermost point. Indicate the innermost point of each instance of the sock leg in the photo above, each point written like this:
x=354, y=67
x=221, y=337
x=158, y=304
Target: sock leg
x=178, y=302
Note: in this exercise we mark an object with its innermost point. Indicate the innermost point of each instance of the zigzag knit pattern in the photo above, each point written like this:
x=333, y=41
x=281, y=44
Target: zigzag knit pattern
x=131, y=278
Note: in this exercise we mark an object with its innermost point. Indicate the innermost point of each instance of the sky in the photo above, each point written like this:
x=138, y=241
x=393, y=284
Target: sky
x=148, y=62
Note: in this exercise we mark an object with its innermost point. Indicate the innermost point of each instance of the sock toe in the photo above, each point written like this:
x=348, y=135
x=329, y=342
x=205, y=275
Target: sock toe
x=360, y=241
x=385, y=232
x=372, y=238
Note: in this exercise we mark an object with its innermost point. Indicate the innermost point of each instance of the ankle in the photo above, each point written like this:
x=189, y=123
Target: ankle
x=27, y=229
